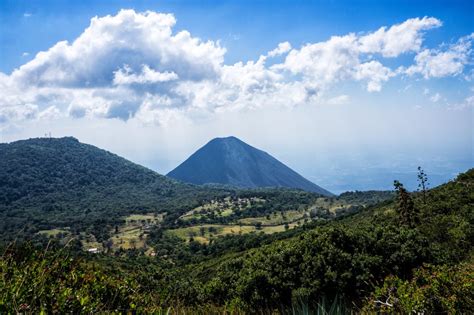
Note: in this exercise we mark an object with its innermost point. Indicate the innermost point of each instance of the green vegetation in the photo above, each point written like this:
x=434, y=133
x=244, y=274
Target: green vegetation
x=205, y=233
x=50, y=184
x=432, y=289
x=101, y=234
x=407, y=255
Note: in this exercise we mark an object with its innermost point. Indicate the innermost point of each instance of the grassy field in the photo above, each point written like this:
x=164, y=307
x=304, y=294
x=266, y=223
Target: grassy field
x=54, y=232
x=221, y=208
x=129, y=237
x=275, y=218
x=333, y=205
x=133, y=233
x=151, y=218
x=88, y=242
x=204, y=233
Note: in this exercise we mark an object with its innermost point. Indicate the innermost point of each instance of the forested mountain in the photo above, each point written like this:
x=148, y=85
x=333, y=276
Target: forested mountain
x=410, y=255
x=165, y=246
x=47, y=182
x=233, y=162
x=62, y=186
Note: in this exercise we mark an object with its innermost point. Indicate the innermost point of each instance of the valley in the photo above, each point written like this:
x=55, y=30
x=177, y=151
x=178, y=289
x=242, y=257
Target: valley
x=214, y=219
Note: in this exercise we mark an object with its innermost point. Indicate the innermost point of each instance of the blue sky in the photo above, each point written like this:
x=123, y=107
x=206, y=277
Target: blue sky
x=247, y=28
x=352, y=94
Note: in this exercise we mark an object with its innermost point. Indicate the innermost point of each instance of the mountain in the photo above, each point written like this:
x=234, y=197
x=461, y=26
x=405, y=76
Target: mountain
x=58, y=182
x=231, y=161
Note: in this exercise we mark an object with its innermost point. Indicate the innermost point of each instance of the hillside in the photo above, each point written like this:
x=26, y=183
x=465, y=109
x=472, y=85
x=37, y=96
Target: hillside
x=370, y=262
x=350, y=257
x=233, y=162
x=47, y=183
x=64, y=189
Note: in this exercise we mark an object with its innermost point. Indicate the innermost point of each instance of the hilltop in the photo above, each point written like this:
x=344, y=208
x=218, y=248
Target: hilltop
x=55, y=182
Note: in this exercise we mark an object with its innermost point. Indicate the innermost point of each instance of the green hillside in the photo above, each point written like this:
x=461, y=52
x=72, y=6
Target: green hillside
x=413, y=254
x=54, y=183
x=64, y=189
x=348, y=257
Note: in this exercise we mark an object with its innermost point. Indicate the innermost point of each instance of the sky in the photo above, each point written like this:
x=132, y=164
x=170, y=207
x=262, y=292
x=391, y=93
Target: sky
x=350, y=94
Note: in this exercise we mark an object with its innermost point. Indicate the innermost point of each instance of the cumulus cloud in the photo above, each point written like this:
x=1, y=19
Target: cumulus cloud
x=135, y=66
x=375, y=73
x=280, y=50
x=127, y=38
x=324, y=62
x=436, y=63
x=398, y=39
x=125, y=76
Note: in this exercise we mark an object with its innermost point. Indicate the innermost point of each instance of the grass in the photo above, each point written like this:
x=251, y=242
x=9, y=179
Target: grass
x=220, y=208
x=129, y=238
x=90, y=242
x=153, y=218
x=275, y=218
x=333, y=205
x=204, y=233
x=133, y=233
x=53, y=232
x=130, y=235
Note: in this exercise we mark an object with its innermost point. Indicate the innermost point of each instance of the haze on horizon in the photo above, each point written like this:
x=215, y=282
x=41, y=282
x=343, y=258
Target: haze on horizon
x=347, y=103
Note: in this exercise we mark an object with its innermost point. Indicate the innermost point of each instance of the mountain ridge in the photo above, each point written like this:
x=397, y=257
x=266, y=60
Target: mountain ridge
x=229, y=160
x=57, y=182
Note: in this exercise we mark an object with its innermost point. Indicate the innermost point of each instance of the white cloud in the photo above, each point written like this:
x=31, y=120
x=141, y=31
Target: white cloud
x=437, y=63
x=325, y=62
x=469, y=101
x=134, y=66
x=128, y=38
x=340, y=58
x=375, y=73
x=282, y=48
x=147, y=76
x=339, y=100
x=50, y=113
x=27, y=14
x=398, y=39
x=435, y=97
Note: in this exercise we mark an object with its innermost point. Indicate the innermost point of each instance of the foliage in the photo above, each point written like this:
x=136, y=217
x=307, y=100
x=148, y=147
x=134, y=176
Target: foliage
x=346, y=257
x=422, y=182
x=406, y=206
x=54, y=282
x=55, y=183
x=432, y=290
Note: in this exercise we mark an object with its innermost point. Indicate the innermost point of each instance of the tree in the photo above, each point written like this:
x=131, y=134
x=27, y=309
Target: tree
x=422, y=183
x=108, y=245
x=406, y=206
